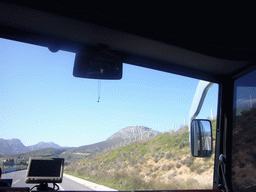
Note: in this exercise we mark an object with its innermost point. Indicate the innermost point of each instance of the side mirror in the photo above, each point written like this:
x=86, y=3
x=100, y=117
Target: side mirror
x=201, y=138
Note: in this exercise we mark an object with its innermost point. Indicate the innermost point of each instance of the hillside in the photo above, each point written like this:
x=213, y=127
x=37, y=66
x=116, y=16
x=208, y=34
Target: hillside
x=243, y=143
x=162, y=162
x=124, y=136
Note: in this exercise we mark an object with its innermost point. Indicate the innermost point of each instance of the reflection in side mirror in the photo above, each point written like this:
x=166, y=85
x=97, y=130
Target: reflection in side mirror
x=201, y=138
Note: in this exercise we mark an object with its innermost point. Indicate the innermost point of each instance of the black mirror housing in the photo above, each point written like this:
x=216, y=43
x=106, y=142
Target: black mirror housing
x=99, y=62
x=94, y=68
x=201, y=138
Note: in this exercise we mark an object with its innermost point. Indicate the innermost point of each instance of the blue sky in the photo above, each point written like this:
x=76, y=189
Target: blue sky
x=40, y=100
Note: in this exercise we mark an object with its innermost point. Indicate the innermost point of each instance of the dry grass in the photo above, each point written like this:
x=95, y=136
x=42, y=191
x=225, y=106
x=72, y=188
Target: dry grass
x=151, y=165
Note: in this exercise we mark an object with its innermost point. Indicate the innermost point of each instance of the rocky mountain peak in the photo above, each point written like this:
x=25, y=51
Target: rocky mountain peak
x=134, y=133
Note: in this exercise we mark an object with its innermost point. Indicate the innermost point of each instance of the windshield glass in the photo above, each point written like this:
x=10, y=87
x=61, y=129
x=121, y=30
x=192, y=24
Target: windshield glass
x=130, y=134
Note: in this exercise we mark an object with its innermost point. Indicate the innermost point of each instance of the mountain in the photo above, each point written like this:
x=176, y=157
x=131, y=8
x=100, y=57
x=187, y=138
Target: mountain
x=134, y=133
x=12, y=146
x=42, y=145
x=15, y=146
x=124, y=136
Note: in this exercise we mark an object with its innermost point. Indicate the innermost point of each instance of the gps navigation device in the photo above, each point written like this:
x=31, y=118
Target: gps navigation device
x=45, y=170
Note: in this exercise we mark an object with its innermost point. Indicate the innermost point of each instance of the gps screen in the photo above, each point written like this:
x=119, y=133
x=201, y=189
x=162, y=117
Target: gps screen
x=45, y=168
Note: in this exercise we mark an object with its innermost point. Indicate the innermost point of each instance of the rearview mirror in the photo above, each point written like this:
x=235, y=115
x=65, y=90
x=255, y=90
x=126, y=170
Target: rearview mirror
x=201, y=138
x=99, y=62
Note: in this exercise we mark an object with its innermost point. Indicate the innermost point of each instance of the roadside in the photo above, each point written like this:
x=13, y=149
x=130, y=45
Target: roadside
x=12, y=169
x=89, y=184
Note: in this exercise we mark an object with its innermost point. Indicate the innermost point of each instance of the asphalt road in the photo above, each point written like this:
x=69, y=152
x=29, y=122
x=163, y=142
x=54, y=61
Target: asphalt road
x=67, y=184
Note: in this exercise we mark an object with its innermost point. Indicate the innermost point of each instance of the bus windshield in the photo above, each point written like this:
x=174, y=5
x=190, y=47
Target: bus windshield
x=128, y=134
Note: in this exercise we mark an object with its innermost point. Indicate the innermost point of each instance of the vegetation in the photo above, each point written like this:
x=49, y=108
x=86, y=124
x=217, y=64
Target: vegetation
x=243, y=143
x=163, y=162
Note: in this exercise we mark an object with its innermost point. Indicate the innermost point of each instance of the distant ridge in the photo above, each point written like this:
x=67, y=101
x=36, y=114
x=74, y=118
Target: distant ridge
x=42, y=145
x=15, y=146
x=12, y=146
x=124, y=136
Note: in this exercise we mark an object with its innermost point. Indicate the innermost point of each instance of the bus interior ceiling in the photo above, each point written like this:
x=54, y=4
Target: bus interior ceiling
x=210, y=43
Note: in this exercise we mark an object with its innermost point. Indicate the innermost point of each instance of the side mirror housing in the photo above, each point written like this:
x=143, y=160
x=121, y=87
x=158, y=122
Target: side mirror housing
x=201, y=138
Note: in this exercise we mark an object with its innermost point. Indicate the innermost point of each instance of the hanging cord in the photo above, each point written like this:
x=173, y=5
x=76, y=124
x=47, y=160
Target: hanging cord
x=55, y=185
x=99, y=89
x=221, y=167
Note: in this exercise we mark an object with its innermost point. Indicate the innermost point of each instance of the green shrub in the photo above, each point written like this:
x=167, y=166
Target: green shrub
x=161, y=155
x=183, y=143
x=178, y=165
x=170, y=166
x=202, y=169
x=188, y=161
x=141, y=160
x=154, y=149
x=168, y=155
x=165, y=167
x=192, y=168
x=156, y=168
x=124, y=154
